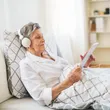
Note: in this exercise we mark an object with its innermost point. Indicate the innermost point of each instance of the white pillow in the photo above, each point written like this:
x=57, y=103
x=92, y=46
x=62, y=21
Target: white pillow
x=14, y=52
x=51, y=44
x=4, y=92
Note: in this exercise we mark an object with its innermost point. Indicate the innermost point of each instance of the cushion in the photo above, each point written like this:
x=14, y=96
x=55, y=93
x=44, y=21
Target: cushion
x=51, y=44
x=14, y=52
x=4, y=92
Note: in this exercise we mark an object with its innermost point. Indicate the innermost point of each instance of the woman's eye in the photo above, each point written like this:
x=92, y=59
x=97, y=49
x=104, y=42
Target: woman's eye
x=38, y=37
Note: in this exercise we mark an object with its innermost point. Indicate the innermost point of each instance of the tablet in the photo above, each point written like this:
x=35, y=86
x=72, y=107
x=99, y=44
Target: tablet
x=89, y=53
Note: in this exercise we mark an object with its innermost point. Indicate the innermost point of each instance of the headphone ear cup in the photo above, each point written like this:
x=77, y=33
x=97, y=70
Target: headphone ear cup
x=26, y=42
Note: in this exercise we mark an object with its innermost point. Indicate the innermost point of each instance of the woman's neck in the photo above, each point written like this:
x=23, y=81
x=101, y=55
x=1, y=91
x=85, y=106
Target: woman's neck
x=40, y=54
x=34, y=52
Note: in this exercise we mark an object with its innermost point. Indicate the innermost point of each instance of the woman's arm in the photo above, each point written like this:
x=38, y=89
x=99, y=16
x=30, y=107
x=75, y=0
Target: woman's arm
x=35, y=85
x=74, y=76
x=60, y=87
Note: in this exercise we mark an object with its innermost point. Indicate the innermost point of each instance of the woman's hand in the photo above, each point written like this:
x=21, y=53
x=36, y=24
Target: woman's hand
x=91, y=58
x=75, y=75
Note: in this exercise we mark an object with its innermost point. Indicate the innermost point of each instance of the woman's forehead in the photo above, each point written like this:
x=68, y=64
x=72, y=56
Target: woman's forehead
x=37, y=32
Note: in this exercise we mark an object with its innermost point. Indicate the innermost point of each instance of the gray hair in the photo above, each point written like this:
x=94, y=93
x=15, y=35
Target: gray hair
x=27, y=29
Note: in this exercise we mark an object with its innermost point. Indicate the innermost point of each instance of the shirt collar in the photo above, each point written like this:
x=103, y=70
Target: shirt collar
x=37, y=58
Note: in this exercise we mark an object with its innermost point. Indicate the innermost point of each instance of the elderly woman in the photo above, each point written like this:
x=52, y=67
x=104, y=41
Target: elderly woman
x=50, y=79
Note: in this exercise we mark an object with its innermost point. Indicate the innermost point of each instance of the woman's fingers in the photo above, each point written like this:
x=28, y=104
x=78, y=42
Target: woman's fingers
x=78, y=69
x=75, y=75
x=81, y=57
x=92, y=58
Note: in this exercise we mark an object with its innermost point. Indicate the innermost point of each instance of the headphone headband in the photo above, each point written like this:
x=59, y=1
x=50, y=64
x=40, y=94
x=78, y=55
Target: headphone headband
x=20, y=36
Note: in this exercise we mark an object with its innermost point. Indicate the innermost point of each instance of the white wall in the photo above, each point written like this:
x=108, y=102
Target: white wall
x=23, y=11
x=16, y=13
x=2, y=20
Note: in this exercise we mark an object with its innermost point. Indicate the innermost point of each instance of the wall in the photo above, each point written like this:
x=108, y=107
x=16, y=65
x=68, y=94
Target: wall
x=16, y=13
x=2, y=20
x=24, y=11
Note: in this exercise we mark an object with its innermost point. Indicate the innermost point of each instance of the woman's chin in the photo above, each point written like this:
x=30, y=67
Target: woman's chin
x=43, y=49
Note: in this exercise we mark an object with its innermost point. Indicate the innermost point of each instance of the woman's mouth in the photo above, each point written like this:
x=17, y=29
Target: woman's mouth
x=42, y=44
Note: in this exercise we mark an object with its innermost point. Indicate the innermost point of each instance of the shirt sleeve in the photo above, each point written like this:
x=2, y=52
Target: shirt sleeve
x=35, y=85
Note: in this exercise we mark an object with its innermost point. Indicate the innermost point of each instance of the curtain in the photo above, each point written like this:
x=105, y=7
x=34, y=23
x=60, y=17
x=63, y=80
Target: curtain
x=63, y=19
x=66, y=20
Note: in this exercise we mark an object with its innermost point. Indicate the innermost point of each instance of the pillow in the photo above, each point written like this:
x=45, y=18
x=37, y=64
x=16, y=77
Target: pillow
x=14, y=52
x=51, y=45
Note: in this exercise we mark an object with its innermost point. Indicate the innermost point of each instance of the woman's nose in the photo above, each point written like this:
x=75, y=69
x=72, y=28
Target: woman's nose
x=43, y=39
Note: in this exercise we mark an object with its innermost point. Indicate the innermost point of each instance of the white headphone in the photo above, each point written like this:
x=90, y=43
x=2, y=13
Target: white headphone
x=26, y=42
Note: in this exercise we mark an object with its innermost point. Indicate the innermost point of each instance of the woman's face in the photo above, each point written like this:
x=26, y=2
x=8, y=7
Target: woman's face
x=37, y=41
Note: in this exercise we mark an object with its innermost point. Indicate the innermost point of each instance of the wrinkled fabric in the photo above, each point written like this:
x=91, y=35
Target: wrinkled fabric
x=39, y=75
x=93, y=90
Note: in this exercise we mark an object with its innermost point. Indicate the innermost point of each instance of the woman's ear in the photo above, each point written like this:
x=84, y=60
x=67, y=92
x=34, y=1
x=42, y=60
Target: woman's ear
x=31, y=46
x=26, y=42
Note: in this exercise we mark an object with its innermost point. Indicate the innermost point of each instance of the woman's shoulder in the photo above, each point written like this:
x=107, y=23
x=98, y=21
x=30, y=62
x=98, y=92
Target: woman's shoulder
x=23, y=63
x=25, y=68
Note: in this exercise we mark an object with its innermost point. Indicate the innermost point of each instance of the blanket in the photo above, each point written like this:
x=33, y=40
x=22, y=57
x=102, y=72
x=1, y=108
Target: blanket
x=92, y=91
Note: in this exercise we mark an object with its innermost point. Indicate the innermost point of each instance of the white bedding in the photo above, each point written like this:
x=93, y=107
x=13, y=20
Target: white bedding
x=94, y=90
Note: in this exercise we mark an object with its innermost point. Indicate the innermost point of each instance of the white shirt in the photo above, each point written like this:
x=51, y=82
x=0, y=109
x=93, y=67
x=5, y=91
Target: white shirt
x=39, y=75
